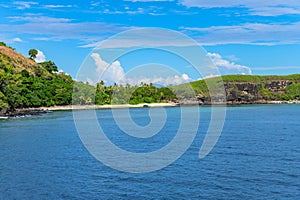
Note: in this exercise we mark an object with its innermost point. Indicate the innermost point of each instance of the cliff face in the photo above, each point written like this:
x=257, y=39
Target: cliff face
x=241, y=89
x=250, y=93
x=256, y=92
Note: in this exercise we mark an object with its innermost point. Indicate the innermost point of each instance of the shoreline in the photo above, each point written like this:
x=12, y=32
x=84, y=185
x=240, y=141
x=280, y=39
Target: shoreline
x=263, y=102
x=154, y=105
x=21, y=112
x=87, y=107
x=43, y=110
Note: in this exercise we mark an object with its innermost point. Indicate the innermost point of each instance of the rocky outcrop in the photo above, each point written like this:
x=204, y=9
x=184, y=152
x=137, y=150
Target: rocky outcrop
x=249, y=92
x=22, y=112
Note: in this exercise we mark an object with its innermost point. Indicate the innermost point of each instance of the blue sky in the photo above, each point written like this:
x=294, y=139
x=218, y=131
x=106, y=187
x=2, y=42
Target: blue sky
x=259, y=37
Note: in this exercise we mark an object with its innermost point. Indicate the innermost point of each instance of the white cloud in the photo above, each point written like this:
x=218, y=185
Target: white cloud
x=111, y=74
x=17, y=39
x=238, y=3
x=60, y=71
x=231, y=67
x=185, y=77
x=126, y=11
x=38, y=19
x=114, y=73
x=163, y=81
x=210, y=76
x=95, y=4
x=21, y=5
x=274, y=11
x=58, y=6
x=232, y=58
x=256, y=7
x=145, y=37
x=276, y=68
x=40, y=57
x=57, y=29
x=4, y=5
x=250, y=33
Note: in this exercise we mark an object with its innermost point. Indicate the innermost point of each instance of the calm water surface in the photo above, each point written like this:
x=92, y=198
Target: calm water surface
x=256, y=157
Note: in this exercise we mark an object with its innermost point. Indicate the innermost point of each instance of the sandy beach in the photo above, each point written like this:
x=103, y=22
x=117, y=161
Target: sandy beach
x=150, y=105
x=85, y=107
x=40, y=110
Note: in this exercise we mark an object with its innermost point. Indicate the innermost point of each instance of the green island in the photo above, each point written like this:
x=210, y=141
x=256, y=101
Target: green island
x=25, y=83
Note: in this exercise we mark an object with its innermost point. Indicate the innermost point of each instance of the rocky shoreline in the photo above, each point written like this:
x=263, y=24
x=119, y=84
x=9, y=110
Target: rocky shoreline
x=4, y=114
x=22, y=112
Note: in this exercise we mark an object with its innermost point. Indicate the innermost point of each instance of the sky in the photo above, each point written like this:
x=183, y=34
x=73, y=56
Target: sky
x=239, y=36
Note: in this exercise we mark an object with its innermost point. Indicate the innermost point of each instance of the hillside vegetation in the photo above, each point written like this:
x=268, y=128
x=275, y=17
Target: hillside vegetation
x=10, y=57
x=25, y=83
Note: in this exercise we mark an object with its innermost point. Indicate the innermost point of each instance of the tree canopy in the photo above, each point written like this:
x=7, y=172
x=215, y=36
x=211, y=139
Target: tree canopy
x=32, y=53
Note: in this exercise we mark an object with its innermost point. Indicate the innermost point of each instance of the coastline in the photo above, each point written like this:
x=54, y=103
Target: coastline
x=152, y=105
x=285, y=102
x=19, y=112
x=262, y=102
x=87, y=107
x=43, y=110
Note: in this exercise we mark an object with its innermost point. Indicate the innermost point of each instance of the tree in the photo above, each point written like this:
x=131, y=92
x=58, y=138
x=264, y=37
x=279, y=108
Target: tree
x=49, y=66
x=2, y=44
x=25, y=73
x=32, y=53
x=3, y=101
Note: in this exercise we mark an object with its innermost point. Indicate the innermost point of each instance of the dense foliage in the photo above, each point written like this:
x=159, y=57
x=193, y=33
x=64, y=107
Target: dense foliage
x=40, y=84
x=120, y=94
x=23, y=89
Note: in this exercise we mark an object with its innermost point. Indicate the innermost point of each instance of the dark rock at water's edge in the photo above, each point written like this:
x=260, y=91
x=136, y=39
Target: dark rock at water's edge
x=21, y=112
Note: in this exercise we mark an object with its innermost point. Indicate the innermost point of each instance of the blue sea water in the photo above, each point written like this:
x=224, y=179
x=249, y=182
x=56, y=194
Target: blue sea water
x=256, y=157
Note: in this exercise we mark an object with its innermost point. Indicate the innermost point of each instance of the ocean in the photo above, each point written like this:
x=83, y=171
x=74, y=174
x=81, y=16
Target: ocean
x=257, y=156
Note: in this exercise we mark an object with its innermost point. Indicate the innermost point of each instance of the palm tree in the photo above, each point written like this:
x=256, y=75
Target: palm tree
x=32, y=53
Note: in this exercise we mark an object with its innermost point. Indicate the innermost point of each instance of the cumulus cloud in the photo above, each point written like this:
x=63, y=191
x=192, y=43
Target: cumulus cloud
x=111, y=74
x=114, y=73
x=227, y=66
x=40, y=57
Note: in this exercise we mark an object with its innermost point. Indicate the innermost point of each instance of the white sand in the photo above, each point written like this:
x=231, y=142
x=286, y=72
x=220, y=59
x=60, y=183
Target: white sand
x=83, y=107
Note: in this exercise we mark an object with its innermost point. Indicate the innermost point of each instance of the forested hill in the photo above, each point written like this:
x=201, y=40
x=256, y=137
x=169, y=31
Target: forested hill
x=25, y=83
